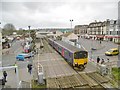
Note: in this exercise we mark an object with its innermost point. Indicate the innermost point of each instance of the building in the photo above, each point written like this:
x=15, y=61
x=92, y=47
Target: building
x=107, y=30
x=55, y=34
x=80, y=30
x=77, y=29
x=70, y=37
x=97, y=30
x=113, y=32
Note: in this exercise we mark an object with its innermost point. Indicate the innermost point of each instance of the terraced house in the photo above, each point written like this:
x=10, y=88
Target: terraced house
x=113, y=32
x=107, y=30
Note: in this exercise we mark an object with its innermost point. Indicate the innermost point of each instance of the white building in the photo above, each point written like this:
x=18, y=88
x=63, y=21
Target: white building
x=55, y=34
x=70, y=37
x=113, y=32
x=97, y=30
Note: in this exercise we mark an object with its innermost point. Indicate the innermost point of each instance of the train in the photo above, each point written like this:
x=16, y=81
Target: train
x=76, y=57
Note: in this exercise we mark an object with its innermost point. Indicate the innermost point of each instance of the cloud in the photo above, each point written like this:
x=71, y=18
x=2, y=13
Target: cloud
x=56, y=14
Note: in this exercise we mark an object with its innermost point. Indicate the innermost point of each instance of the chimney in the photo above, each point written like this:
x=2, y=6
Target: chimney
x=95, y=20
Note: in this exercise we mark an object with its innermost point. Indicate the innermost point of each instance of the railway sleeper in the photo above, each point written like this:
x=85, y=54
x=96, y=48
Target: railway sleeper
x=63, y=82
x=90, y=81
x=98, y=78
x=81, y=80
x=84, y=87
x=98, y=87
x=74, y=80
x=102, y=79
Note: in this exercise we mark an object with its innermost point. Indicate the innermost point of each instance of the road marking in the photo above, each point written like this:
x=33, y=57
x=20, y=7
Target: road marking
x=58, y=59
x=98, y=55
x=84, y=48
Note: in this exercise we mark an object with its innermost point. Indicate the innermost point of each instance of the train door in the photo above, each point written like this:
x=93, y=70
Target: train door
x=62, y=51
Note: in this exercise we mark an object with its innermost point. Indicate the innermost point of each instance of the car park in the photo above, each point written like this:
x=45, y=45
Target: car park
x=111, y=52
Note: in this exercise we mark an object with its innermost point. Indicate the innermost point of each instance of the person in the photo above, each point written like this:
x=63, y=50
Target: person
x=98, y=59
x=100, y=41
x=15, y=65
x=5, y=75
x=108, y=59
x=3, y=82
x=102, y=62
x=29, y=68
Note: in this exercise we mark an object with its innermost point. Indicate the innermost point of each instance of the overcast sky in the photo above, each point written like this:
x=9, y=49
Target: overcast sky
x=44, y=14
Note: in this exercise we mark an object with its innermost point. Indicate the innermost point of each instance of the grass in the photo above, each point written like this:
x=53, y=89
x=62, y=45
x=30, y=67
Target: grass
x=35, y=84
x=116, y=73
x=116, y=76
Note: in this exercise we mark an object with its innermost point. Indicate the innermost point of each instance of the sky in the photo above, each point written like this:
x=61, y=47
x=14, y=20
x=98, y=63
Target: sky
x=55, y=13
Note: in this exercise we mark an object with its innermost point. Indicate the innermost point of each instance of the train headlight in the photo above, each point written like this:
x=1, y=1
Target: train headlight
x=75, y=63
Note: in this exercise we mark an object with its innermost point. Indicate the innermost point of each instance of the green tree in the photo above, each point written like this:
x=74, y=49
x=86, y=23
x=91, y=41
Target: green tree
x=8, y=29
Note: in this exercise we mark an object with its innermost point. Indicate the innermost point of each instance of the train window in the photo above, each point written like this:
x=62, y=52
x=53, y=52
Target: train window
x=60, y=49
x=66, y=52
x=81, y=54
x=69, y=54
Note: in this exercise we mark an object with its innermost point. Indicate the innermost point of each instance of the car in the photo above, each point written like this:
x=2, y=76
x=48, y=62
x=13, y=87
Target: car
x=22, y=56
x=32, y=54
x=111, y=52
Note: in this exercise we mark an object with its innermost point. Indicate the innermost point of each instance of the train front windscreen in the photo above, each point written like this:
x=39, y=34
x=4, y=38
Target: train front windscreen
x=80, y=55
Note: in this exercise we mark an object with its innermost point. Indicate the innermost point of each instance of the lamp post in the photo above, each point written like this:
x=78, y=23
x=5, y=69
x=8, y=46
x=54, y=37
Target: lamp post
x=29, y=31
x=71, y=20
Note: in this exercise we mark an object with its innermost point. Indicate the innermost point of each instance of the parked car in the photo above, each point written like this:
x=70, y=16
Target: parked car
x=113, y=51
x=22, y=56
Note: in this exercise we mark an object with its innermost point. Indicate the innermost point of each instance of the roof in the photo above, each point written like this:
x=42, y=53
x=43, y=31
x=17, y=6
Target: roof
x=67, y=34
x=70, y=35
x=68, y=46
x=114, y=49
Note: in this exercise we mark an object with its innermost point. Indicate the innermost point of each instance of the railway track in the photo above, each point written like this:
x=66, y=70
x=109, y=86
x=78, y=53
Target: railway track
x=47, y=48
x=69, y=78
x=76, y=81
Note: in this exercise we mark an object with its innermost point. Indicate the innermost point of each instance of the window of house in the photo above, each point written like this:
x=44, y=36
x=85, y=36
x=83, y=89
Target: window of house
x=102, y=32
x=110, y=32
x=118, y=32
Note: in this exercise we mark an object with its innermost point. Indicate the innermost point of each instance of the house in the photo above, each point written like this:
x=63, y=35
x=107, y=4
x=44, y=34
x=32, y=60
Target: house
x=113, y=32
x=70, y=37
x=98, y=29
x=55, y=34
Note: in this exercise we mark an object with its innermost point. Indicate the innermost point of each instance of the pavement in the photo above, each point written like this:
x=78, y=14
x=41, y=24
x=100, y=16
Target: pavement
x=8, y=59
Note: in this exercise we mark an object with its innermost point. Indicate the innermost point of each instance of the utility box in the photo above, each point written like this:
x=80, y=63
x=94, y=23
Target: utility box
x=103, y=70
x=40, y=74
x=40, y=78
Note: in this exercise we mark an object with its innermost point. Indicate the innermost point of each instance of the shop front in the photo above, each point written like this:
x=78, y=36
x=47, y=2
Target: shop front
x=100, y=37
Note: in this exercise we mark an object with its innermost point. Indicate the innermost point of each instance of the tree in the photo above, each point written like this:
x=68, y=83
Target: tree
x=8, y=29
x=33, y=34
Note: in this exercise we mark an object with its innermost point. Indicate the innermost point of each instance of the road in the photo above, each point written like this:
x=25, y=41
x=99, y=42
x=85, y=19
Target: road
x=101, y=49
x=9, y=59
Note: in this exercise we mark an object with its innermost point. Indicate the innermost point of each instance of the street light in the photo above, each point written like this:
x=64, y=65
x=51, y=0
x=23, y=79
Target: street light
x=29, y=31
x=71, y=20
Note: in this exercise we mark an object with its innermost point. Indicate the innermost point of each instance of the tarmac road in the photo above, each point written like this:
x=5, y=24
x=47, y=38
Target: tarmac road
x=101, y=49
